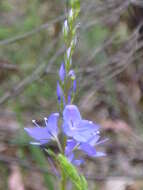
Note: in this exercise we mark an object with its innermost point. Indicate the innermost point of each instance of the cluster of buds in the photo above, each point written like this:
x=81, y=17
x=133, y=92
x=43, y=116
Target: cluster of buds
x=66, y=86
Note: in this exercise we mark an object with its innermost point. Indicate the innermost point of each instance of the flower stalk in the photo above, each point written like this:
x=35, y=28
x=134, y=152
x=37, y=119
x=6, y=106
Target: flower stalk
x=66, y=86
x=78, y=133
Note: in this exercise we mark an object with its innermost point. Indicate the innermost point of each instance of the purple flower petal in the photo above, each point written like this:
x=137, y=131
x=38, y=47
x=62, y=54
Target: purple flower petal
x=80, y=137
x=52, y=124
x=67, y=129
x=74, y=126
x=89, y=150
x=78, y=162
x=38, y=134
x=94, y=140
x=84, y=130
x=88, y=125
x=71, y=131
x=74, y=86
x=70, y=146
x=71, y=114
x=59, y=92
x=70, y=157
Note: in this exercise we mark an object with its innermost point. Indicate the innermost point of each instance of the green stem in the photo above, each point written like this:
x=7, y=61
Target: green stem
x=59, y=145
x=63, y=181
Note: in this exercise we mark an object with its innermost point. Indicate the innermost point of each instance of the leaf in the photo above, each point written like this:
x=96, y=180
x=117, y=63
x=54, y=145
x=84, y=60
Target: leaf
x=84, y=183
x=72, y=173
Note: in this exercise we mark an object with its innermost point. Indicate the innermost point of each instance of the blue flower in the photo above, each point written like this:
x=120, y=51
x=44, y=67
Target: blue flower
x=74, y=126
x=71, y=144
x=82, y=134
x=42, y=135
x=88, y=148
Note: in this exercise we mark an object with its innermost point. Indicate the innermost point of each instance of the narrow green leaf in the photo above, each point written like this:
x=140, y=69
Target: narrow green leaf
x=84, y=183
x=72, y=173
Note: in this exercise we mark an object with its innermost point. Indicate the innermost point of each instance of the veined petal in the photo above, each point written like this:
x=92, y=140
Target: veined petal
x=88, y=125
x=81, y=137
x=38, y=133
x=52, y=124
x=84, y=130
x=71, y=143
x=67, y=129
x=89, y=150
x=94, y=140
x=71, y=114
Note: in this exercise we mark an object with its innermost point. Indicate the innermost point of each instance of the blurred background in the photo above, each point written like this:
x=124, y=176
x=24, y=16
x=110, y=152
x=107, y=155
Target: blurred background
x=109, y=66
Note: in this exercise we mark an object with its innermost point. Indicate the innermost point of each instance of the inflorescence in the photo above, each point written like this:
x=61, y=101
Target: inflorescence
x=79, y=134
